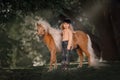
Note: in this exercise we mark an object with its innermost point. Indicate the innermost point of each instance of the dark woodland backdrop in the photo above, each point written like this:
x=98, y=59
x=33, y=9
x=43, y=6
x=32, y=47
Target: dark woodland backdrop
x=19, y=46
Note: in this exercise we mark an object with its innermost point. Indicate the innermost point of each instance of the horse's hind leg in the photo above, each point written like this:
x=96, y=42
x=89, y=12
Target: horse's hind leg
x=84, y=49
x=80, y=54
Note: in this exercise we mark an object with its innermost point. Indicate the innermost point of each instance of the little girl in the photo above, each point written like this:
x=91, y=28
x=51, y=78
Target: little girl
x=67, y=37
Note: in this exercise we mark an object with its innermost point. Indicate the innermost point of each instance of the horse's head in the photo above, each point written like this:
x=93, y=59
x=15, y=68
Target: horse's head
x=40, y=29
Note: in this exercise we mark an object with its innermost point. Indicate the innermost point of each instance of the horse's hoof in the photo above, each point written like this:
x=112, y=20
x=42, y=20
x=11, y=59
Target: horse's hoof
x=79, y=66
x=49, y=70
x=65, y=69
x=55, y=67
x=89, y=66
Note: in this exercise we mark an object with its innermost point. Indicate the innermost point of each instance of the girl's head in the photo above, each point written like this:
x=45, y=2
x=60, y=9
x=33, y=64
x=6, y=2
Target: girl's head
x=67, y=21
x=66, y=24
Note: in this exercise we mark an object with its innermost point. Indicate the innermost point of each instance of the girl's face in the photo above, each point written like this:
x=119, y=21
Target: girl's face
x=66, y=25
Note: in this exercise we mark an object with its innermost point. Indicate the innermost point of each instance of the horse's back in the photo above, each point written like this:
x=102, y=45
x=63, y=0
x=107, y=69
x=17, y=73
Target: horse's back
x=80, y=37
x=80, y=34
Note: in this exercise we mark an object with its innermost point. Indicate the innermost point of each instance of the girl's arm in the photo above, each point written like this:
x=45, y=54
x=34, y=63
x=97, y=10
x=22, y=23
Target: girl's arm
x=70, y=35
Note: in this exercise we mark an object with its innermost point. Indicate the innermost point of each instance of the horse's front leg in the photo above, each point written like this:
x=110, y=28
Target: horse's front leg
x=53, y=60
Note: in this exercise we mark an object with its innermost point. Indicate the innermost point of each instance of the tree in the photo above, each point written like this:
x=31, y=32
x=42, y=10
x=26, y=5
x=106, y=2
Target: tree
x=18, y=41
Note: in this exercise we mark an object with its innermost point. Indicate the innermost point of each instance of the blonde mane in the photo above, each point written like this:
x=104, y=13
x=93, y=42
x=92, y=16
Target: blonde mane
x=55, y=33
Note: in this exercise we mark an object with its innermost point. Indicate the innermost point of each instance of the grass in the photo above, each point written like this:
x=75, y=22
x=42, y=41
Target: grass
x=110, y=72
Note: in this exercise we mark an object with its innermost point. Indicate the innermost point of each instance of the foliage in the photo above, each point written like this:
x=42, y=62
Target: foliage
x=18, y=40
x=19, y=45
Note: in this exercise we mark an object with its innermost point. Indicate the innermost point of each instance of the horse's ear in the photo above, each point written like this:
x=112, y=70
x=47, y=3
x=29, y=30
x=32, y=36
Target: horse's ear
x=38, y=24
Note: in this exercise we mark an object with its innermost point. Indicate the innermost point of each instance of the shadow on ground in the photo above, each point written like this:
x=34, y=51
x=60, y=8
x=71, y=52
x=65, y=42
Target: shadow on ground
x=110, y=72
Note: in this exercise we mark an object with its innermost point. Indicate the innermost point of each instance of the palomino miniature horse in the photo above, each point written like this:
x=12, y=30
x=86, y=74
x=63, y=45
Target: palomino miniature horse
x=52, y=38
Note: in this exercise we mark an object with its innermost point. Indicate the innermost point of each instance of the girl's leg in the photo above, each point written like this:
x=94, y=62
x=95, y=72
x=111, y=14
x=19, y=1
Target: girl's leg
x=63, y=54
x=68, y=57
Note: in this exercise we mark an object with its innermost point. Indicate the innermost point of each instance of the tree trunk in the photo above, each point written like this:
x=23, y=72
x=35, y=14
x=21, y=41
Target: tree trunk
x=104, y=26
x=115, y=21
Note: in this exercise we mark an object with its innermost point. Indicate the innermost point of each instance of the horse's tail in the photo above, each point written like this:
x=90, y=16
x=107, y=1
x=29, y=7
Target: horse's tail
x=93, y=59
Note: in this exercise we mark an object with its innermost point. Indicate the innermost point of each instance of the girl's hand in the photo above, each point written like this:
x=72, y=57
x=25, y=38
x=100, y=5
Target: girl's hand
x=68, y=47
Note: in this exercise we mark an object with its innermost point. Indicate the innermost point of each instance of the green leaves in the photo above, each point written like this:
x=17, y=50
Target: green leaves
x=17, y=27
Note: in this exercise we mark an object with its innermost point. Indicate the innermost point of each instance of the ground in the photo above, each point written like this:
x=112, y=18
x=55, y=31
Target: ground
x=109, y=72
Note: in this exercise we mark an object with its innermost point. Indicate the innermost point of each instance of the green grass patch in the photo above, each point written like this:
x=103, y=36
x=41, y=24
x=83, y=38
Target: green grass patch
x=110, y=72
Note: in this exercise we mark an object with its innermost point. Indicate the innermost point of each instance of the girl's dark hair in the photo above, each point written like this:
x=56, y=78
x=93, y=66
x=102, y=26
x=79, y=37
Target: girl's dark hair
x=67, y=20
